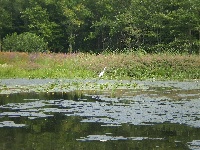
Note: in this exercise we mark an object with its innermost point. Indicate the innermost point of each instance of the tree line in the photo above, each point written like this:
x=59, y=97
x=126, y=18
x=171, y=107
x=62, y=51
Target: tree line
x=97, y=25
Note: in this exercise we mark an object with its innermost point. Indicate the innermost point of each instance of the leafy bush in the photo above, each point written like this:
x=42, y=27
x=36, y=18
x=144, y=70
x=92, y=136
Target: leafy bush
x=25, y=42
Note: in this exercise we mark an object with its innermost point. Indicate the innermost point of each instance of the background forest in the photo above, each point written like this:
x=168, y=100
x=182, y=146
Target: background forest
x=97, y=25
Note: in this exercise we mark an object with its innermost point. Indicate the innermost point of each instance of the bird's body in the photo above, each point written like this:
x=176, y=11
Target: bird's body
x=101, y=73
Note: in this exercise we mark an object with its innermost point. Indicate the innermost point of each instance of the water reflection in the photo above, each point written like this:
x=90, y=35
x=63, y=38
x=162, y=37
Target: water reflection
x=132, y=119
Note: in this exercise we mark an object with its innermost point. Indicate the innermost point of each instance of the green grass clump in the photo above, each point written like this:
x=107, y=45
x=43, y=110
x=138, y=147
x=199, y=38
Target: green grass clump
x=119, y=66
x=41, y=65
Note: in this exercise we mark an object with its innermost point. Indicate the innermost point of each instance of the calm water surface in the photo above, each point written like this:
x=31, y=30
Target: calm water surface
x=161, y=117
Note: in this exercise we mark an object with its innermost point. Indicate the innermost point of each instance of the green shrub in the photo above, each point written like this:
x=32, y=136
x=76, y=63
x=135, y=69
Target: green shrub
x=25, y=42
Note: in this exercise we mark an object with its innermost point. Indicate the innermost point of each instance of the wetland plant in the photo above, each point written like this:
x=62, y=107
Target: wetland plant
x=88, y=66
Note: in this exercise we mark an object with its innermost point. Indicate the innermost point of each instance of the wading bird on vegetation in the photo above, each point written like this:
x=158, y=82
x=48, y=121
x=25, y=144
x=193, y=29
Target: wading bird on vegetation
x=101, y=73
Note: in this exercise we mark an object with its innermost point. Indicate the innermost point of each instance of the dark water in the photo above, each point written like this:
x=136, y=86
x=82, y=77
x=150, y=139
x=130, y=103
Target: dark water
x=164, y=118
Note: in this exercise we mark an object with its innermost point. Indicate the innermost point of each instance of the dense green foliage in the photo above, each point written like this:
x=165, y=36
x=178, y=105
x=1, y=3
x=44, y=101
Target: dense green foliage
x=25, y=42
x=77, y=25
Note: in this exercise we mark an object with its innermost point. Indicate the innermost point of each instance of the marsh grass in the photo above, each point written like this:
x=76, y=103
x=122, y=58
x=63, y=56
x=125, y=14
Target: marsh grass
x=119, y=66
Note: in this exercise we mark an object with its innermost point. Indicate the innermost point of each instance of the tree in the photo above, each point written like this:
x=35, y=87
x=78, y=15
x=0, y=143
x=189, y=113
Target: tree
x=5, y=23
x=75, y=14
x=77, y=25
x=25, y=42
x=36, y=20
x=9, y=14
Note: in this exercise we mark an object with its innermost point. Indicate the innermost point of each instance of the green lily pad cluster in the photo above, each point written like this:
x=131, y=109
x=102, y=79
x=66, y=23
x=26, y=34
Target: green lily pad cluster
x=71, y=85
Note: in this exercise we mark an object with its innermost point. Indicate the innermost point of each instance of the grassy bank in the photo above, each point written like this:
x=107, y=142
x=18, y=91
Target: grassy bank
x=119, y=66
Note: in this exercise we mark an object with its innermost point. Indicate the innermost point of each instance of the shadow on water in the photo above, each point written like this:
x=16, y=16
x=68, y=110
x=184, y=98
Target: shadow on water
x=163, y=119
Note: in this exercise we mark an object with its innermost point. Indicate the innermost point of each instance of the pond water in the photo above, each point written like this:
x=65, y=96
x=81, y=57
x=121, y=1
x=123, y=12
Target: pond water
x=161, y=116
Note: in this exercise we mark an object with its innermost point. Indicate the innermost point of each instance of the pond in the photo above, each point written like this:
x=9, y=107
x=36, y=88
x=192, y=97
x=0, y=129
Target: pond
x=159, y=115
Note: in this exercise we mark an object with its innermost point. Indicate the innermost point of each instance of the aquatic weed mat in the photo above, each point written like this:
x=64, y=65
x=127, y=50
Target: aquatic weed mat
x=109, y=101
x=8, y=86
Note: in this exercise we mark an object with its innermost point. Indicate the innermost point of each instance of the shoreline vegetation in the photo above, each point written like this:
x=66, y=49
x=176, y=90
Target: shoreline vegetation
x=120, y=66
